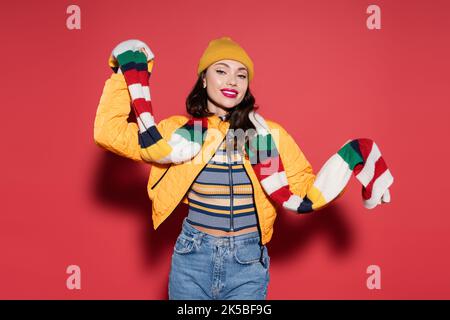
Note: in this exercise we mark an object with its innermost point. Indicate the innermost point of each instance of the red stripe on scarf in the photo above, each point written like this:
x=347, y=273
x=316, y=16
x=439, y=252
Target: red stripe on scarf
x=143, y=77
x=141, y=105
x=380, y=168
x=131, y=76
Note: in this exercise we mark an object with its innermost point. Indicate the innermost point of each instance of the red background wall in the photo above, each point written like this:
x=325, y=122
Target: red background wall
x=318, y=71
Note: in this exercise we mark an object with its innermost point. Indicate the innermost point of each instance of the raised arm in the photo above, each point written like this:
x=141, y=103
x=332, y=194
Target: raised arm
x=127, y=89
x=133, y=61
x=112, y=131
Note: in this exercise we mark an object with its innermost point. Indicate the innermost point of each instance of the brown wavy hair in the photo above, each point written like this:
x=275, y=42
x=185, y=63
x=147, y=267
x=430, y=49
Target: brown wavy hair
x=197, y=106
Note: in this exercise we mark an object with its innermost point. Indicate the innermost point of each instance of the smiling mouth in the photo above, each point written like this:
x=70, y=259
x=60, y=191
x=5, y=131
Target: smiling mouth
x=229, y=94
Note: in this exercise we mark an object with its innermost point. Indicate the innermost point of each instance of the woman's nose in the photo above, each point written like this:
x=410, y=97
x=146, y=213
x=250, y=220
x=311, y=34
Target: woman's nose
x=232, y=80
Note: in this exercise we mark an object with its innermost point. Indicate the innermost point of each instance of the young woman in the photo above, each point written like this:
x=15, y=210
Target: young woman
x=231, y=182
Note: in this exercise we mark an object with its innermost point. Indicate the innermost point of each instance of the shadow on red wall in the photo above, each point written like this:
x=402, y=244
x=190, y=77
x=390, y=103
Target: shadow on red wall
x=122, y=183
x=292, y=236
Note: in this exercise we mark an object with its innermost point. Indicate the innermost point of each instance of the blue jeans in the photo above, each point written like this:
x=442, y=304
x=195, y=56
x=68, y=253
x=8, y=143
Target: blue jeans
x=206, y=267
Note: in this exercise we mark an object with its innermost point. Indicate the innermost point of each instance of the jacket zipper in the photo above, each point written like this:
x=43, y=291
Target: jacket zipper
x=256, y=210
x=230, y=179
x=154, y=185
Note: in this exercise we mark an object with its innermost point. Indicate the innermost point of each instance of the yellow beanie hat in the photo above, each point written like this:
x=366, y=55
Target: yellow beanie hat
x=225, y=48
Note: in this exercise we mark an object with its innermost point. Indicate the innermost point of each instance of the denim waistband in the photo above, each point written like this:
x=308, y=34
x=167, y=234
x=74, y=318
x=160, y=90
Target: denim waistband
x=250, y=237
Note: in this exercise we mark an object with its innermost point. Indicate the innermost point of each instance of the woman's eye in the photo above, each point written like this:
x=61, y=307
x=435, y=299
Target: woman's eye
x=243, y=76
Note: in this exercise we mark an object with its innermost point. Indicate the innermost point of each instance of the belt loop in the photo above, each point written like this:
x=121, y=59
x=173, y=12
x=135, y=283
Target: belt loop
x=261, y=257
x=198, y=238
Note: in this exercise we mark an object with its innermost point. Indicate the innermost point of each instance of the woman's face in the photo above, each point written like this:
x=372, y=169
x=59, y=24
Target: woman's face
x=226, y=84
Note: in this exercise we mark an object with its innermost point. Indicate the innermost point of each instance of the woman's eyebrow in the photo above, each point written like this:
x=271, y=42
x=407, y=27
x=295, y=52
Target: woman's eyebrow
x=241, y=68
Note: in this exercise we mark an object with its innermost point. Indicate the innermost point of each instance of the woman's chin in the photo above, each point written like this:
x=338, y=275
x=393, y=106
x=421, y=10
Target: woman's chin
x=228, y=107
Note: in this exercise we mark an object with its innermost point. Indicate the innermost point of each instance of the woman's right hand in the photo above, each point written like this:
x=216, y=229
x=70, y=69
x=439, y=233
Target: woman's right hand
x=133, y=45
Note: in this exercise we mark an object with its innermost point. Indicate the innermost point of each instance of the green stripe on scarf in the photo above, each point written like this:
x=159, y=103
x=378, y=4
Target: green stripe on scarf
x=350, y=155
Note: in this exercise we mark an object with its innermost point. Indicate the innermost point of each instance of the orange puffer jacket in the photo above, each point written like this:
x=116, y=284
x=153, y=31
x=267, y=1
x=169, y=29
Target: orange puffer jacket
x=168, y=184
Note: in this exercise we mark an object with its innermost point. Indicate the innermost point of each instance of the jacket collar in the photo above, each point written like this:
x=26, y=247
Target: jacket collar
x=215, y=121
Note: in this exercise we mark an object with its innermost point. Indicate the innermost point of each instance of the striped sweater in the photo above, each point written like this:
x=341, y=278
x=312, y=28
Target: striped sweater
x=221, y=197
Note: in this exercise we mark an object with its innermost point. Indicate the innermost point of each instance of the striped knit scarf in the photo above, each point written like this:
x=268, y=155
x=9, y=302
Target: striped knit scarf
x=361, y=157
